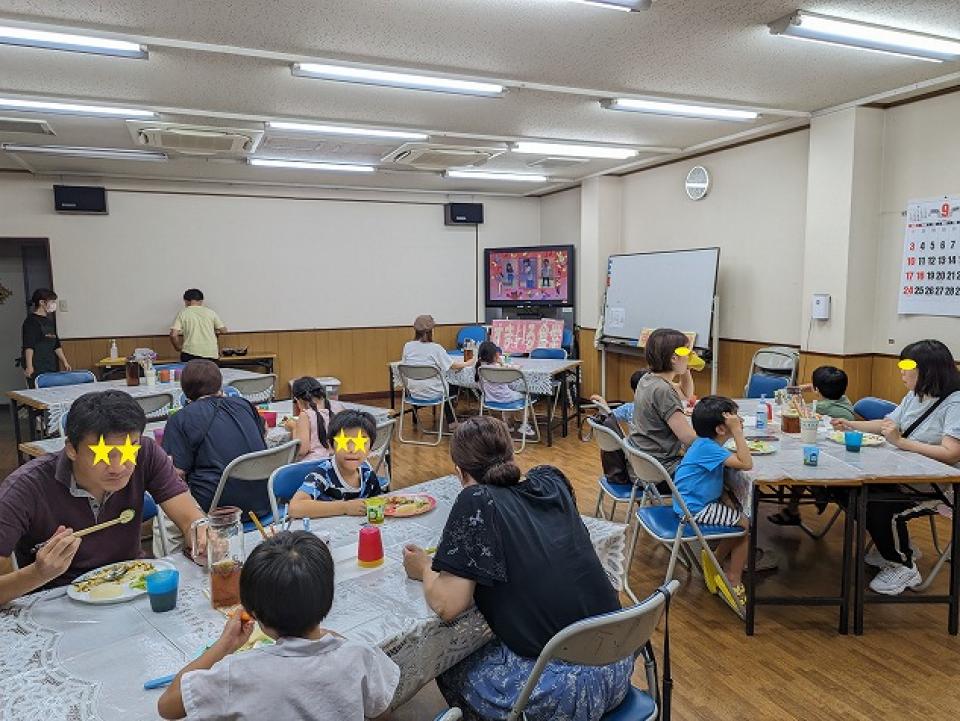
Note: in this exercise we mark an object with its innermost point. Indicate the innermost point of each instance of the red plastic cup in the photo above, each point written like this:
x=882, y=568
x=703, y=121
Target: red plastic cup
x=370, y=547
x=270, y=417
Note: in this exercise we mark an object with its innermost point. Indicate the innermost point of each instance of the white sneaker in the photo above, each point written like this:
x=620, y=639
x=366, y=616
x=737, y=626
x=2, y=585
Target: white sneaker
x=873, y=558
x=895, y=579
x=527, y=430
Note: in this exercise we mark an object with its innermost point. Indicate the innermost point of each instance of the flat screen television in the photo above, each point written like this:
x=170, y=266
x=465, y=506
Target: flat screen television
x=534, y=275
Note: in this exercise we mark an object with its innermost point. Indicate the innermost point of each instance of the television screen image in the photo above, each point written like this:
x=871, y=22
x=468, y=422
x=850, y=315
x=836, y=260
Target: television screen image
x=537, y=275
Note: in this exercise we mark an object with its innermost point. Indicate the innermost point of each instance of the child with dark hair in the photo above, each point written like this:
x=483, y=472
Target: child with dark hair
x=310, y=426
x=830, y=384
x=287, y=587
x=623, y=412
x=338, y=485
x=699, y=481
x=488, y=354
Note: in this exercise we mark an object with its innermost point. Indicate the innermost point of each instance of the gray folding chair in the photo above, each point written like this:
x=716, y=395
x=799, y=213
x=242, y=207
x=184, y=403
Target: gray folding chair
x=255, y=467
x=380, y=450
x=410, y=372
x=258, y=389
x=493, y=374
x=663, y=524
x=609, y=442
x=152, y=405
x=603, y=640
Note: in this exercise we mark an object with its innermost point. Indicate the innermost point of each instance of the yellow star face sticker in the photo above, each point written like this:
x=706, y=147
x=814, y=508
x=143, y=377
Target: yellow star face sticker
x=907, y=364
x=341, y=441
x=129, y=451
x=101, y=452
x=682, y=351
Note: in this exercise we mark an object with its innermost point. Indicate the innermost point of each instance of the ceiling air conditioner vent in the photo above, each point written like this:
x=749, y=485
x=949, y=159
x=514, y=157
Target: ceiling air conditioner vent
x=553, y=163
x=196, y=139
x=431, y=156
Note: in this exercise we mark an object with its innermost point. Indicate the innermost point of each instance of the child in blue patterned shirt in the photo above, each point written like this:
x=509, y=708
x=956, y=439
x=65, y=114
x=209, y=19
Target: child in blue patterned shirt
x=338, y=485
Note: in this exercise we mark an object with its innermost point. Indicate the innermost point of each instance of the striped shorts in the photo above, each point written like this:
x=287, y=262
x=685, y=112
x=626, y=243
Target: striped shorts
x=718, y=514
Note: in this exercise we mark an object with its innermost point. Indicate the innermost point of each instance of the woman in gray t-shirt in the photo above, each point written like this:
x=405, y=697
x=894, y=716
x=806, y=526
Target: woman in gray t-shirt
x=659, y=426
x=933, y=381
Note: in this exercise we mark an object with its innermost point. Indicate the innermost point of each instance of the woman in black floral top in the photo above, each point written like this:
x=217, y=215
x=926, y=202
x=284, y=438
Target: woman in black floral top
x=516, y=546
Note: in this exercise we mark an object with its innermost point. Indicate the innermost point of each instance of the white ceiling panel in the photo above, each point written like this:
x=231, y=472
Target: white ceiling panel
x=557, y=57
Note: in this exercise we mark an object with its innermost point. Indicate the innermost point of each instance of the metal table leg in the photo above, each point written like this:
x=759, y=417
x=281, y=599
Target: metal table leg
x=18, y=438
x=860, y=572
x=954, y=605
x=752, y=561
x=848, y=522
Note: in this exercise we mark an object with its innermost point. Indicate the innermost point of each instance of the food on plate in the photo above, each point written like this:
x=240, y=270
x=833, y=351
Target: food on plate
x=106, y=591
x=869, y=439
x=408, y=505
x=759, y=448
x=125, y=573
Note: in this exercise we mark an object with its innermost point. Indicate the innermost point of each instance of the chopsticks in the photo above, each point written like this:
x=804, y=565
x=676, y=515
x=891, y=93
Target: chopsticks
x=126, y=515
x=256, y=522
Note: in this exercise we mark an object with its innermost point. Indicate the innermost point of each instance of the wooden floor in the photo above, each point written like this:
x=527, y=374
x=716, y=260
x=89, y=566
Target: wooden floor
x=796, y=666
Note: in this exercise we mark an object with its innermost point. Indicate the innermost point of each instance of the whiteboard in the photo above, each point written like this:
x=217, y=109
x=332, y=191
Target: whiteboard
x=263, y=263
x=671, y=289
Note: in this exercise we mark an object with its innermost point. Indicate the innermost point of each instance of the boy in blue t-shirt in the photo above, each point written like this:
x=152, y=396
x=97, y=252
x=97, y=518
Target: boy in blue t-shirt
x=699, y=480
x=338, y=485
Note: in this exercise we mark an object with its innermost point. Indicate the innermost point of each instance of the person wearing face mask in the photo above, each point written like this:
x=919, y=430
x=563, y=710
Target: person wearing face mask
x=41, y=346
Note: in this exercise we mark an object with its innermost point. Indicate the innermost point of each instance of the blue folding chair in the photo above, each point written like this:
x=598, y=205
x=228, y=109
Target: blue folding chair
x=873, y=409
x=232, y=392
x=664, y=524
x=761, y=384
x=549, y=353
x=476, y=333
x=566, y=342
x=283, y=484
x=64, y=378
x=152, y=511
x=505, y=376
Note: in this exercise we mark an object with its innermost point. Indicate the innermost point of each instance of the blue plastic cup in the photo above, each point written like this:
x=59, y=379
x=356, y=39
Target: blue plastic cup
x=162, y=589
x=811, y=455
x=853, y=440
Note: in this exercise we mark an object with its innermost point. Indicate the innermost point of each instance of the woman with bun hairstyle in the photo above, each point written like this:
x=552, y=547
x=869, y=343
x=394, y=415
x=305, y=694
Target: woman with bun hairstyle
x=515, y=545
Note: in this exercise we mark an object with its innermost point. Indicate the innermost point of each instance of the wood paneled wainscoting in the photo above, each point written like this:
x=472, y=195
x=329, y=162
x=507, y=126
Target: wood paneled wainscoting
x=357, y=356
x=869, y=374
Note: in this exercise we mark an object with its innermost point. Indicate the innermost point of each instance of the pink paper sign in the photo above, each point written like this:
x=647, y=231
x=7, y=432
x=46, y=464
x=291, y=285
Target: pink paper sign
x=522, y=336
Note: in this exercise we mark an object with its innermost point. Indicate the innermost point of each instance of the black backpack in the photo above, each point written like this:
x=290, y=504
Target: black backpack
x=614, y=462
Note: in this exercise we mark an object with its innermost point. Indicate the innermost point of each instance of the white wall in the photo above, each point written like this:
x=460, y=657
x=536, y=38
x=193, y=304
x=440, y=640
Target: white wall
x=921, y=160
x=265, y=263
x=12, y=313
x=560, y=218
x=755, y=213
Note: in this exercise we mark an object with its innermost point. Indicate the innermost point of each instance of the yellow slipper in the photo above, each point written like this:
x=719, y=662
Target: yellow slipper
x=731, y=596
x=710, y=572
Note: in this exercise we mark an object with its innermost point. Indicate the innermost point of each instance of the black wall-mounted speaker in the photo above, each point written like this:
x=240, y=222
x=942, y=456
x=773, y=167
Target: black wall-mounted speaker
x=80, y=199
x=463, y=213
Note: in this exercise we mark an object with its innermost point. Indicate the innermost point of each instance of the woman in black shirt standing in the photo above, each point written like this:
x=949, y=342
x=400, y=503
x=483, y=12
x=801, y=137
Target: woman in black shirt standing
x=41, y=346
x=516, y=546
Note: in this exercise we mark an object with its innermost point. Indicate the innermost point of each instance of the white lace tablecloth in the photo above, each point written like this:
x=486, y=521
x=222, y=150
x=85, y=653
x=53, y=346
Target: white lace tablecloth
x=57, y=400
x=65, y=661
x=538, y=372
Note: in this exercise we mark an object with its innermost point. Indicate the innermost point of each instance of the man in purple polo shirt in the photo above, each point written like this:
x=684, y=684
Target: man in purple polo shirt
x=92, y=480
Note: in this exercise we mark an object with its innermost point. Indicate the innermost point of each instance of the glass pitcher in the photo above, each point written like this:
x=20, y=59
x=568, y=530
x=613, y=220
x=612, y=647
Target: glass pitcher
x=224, y=553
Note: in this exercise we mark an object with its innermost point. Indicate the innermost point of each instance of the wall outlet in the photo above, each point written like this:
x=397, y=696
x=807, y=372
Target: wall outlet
x=891, y=341
x=62, y=305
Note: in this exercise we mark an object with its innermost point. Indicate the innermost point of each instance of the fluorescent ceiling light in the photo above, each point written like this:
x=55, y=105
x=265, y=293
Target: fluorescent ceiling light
x=67, y=151
x=67, y=41
x=573, y=151
x=393, y=79
x=40, y=106
x=487, y=175
x=802, y=25
x=685, y=110
x=342, y=130
x=624, y=5
x=306, y=165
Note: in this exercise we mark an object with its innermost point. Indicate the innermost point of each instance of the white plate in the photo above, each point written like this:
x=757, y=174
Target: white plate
x=770, y=447
x=126, y=594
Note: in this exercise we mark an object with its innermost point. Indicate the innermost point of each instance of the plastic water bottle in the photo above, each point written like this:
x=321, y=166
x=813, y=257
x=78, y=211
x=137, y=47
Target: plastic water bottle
x=114, y=353
x=762, y=413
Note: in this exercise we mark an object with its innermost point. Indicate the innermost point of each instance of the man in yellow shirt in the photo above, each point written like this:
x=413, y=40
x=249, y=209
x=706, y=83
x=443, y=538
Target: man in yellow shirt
x=194, y=331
